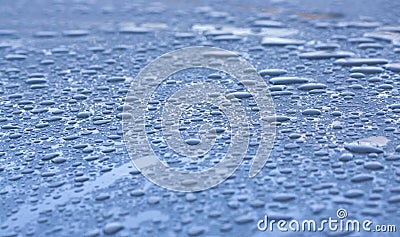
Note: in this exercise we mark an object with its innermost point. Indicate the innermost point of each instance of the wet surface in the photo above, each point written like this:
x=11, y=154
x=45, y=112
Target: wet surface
x=332, y=69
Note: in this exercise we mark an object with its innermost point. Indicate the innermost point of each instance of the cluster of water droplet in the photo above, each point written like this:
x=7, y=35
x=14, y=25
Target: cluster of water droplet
x=64, y=170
